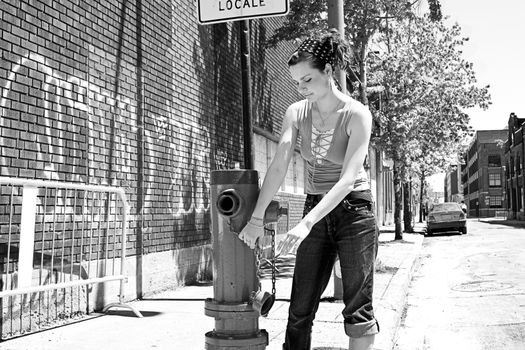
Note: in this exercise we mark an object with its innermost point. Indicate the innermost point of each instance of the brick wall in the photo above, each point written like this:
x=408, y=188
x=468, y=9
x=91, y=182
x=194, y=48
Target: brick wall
x=133, y=94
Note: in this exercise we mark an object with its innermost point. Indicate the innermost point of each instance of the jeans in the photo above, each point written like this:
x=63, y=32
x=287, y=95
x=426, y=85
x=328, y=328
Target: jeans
x=350, y=232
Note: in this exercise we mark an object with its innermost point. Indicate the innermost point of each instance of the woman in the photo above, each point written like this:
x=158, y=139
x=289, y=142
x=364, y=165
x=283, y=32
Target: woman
x=338, y=220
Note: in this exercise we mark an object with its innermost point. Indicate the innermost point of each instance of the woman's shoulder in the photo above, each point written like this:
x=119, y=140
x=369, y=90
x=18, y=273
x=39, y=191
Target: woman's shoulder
x=297, y=112
x=354, y=105
x=354, y=108
x=356, y=114
x=298, y=106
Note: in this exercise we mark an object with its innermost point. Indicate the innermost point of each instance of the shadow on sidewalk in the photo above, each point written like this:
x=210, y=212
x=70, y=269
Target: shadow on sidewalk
x=395, y=241
x=443, y=234
x=417, y=231
x=129, y=313
x=174, y=299
x=510, y=223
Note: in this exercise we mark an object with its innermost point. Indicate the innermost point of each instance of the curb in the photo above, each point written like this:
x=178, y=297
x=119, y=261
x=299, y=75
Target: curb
x=393, y=302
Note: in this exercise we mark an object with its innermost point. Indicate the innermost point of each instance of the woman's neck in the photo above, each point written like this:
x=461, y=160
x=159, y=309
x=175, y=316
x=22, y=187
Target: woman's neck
x=327, y=103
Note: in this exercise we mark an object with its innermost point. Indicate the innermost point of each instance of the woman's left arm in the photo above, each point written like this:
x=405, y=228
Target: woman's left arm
x=359, y=130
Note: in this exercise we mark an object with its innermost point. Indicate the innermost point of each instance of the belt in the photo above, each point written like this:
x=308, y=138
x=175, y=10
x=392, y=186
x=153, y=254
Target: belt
x=365, y=195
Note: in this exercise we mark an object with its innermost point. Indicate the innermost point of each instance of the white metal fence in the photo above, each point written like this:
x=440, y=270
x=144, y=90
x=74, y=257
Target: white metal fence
x=59, y=243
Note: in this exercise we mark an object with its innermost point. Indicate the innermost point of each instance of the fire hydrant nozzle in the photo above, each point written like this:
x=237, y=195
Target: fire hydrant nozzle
x=228, y=203
x=273, y=212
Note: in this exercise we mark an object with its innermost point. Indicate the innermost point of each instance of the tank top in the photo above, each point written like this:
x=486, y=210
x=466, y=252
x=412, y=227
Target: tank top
x=323, y=173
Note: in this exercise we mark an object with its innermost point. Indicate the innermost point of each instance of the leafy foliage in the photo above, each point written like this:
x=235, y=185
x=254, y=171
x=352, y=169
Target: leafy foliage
x=435, y=10
x=427, y=86
x=305, y=17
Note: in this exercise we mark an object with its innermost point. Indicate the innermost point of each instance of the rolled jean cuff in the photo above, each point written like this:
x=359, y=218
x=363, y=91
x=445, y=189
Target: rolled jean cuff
x=358, y=330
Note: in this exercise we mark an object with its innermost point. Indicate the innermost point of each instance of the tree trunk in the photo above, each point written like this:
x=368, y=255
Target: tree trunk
x=407, y=208
x=363, y=94
x=421, y=192
x=397, y=202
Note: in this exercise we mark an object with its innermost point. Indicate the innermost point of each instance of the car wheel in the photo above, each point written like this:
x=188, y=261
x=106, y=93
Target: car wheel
x=429, y=232
x=463, y=230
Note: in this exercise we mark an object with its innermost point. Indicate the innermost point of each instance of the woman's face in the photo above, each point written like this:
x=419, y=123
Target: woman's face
x=311, y=82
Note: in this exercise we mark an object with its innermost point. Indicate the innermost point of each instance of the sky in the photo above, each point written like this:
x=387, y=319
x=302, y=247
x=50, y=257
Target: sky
x=496, y=32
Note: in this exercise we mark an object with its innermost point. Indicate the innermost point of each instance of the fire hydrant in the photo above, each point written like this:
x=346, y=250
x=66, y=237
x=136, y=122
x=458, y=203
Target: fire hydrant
x=237, y=302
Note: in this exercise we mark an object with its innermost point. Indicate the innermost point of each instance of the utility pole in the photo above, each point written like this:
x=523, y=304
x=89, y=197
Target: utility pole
x=336, y=19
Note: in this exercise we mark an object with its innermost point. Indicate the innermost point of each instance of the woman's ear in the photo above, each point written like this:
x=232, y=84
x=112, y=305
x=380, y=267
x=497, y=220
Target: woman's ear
x=328, y=69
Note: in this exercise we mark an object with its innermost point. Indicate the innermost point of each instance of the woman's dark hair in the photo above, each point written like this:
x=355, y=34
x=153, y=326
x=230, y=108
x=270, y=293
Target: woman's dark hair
x=322, y=49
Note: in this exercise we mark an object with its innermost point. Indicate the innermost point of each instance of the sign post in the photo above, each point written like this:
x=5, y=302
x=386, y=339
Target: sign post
x=246, y=75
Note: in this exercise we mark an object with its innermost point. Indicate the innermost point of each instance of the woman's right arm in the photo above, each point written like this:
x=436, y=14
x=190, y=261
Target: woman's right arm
x=274, y=176
x=279, y=166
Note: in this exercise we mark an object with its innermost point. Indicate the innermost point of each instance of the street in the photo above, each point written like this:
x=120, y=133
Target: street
x=468, y=291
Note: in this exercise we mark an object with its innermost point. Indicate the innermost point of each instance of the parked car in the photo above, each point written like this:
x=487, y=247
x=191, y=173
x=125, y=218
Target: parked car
x=447, y=216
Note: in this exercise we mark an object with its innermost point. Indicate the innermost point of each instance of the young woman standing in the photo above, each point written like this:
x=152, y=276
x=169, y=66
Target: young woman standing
x=338, y=221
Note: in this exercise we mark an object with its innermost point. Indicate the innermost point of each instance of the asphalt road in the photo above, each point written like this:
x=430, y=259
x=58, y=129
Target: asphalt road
x=468, y=292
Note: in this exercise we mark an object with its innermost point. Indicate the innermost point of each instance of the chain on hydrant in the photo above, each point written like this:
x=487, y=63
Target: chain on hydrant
x=238, y=300
x=263, y=301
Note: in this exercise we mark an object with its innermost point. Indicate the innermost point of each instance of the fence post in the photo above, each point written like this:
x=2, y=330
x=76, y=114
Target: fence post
x=27, y=236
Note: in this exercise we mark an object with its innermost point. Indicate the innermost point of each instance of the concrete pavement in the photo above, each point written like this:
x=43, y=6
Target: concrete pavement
x=468, y=292
x=175, y=319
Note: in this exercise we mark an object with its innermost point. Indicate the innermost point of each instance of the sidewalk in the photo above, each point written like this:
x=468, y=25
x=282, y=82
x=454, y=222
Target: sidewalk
x=175, y=319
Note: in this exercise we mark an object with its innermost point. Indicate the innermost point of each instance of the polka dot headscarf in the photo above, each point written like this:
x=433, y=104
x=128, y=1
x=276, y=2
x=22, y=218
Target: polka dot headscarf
x=321, y=51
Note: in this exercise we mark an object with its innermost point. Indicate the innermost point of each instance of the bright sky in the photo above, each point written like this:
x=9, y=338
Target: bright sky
x=496, y=32
x=437, y=182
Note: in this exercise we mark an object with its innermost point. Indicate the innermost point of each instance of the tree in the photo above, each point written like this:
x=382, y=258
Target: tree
x=363, y=20
x=435, y=10
x=432, y=161
x=426, y=86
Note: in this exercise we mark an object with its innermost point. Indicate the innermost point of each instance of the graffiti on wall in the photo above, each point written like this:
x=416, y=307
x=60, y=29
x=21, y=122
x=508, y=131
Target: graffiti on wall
x=57, y=95
x=62, y=97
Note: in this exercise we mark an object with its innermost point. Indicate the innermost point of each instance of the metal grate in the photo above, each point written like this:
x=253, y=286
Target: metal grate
x=58, y=243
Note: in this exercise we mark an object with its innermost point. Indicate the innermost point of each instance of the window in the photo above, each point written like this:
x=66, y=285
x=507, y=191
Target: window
x=494, y=180
x=473, y=186
x=495, y=201
x=494, y=161
x=446, y=207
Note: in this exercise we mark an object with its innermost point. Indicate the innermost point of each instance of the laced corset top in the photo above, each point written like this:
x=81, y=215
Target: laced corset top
x=321, y=141
x=324, y=151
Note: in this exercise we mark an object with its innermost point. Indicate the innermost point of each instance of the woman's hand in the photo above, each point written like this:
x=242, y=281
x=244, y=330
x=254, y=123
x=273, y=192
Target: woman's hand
x=252, y=231
x=293, y=238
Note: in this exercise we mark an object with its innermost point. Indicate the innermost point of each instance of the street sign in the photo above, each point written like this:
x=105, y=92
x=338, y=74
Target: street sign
x=216, y=11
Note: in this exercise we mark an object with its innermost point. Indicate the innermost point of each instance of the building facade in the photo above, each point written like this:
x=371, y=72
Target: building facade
x=453, y=185
x=514, y=165
x=483, y=174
